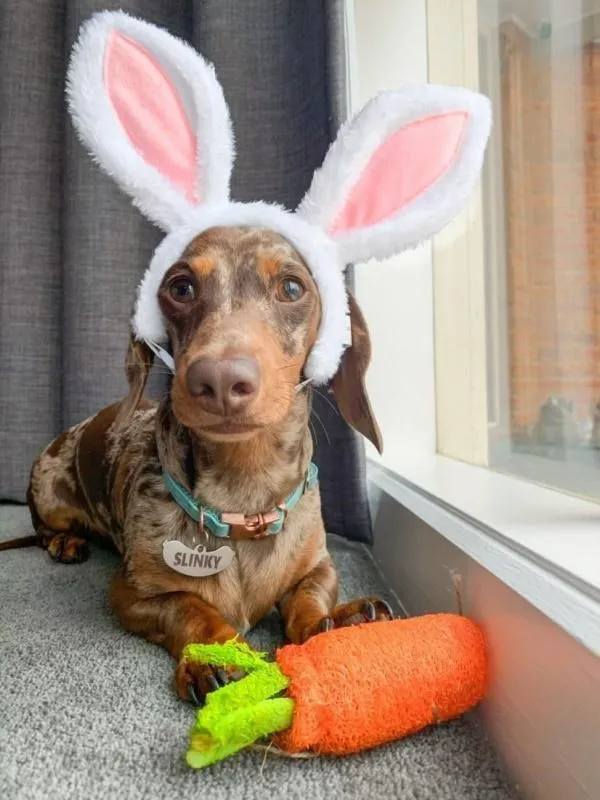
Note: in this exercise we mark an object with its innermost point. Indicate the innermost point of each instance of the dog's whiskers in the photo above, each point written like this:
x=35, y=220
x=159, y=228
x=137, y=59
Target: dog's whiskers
x=327, y=399
x=154, y=366
x=299, y=386
x=325, y=431
x=291, y=365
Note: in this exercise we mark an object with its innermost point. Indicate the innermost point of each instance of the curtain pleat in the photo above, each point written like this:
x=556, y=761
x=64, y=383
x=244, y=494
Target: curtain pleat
x=32, y=126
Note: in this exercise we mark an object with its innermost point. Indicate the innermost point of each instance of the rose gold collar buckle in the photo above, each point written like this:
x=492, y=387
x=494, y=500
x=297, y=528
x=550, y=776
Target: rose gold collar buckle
x=256, y=524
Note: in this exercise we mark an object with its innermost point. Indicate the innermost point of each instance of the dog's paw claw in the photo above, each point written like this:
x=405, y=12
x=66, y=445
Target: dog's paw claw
x=326, y=624
x=197, y=701
x=193, y=681
x=367, y=610
x=387, y=608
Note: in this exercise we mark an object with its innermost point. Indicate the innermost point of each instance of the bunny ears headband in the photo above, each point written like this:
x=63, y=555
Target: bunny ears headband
x=152, y=113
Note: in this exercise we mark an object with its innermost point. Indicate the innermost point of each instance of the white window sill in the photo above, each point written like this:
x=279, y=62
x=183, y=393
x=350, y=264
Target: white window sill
x=543, y=544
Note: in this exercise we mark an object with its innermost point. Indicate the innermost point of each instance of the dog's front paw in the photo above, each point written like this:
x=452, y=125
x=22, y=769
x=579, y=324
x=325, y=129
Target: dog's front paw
x=68, y=548
x=367, y=609
x=193, y=681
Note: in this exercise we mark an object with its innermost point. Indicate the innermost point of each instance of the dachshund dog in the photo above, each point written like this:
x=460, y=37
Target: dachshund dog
x=251, y=298
x=242, y=312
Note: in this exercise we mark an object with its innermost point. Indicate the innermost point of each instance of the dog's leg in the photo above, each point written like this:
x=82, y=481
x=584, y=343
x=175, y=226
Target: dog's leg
x=59, y=522
x=64, y=538
x=62, y=532
x=68, y=548
x=310, y=607
x=175, y=620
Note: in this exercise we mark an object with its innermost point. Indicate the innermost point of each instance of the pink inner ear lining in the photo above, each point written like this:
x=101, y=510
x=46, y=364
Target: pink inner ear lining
x=151, y=112
x=407, y=164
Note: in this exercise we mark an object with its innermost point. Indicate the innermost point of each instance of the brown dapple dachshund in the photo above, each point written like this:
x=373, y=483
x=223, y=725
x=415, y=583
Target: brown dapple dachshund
x=242, y=312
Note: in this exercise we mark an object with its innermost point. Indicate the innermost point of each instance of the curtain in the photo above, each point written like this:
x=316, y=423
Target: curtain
x=72, y=248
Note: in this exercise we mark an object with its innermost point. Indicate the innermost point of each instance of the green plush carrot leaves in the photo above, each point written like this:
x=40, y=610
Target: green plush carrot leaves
x=240, y=713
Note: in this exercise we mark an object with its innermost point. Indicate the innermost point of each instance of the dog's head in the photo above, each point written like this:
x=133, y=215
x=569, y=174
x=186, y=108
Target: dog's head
x=242, y=312
x=251, y=296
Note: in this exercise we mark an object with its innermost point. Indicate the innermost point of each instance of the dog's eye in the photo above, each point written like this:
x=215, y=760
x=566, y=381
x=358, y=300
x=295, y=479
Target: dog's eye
x=290, y=290
x=182, y=290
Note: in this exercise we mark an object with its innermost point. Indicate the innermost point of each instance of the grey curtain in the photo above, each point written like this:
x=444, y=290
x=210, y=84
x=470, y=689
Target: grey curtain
x=72, y=249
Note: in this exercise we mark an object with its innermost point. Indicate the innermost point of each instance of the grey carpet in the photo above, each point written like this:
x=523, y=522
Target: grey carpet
x=86, y=710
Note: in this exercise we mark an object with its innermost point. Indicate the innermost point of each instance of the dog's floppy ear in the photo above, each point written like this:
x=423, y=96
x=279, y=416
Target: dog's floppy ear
x=137, y=369
x=348, y=385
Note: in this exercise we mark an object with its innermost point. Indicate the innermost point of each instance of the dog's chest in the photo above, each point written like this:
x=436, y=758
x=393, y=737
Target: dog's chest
x=245, y=586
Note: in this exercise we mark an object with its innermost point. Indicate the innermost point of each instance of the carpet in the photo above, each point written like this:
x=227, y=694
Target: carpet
x=86, y=710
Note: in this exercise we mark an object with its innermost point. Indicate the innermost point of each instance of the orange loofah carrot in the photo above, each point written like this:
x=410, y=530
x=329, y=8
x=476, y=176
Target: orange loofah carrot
x=343, y=691
x=357, y=688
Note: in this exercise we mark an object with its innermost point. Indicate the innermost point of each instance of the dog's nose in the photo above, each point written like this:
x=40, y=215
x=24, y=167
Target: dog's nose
x=223, y=385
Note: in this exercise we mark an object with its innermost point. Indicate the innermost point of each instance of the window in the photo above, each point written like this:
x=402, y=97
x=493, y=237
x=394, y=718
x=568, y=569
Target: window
x=513, y=327
x=540, y=62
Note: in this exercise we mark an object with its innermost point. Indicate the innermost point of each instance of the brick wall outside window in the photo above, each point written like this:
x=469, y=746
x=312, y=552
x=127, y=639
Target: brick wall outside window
x=551, y=162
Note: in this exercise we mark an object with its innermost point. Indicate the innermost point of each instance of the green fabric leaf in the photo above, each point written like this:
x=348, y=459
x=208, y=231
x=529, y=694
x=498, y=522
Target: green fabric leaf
x=239, y=714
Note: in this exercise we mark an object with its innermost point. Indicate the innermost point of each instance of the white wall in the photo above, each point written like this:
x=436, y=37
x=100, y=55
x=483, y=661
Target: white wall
x=543, y=703
x=390, y=37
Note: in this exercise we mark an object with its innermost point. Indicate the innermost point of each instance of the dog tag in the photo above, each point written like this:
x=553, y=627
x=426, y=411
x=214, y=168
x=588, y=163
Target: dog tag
x=197, y=562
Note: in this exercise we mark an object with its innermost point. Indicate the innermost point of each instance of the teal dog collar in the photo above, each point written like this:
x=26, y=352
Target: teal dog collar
x=219, y=524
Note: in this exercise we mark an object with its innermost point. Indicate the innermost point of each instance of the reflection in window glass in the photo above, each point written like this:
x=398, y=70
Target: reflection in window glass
x=540, y=62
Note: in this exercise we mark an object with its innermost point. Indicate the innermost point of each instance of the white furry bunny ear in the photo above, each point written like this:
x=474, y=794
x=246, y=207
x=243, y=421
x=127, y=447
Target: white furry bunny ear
x=400, y=170
x=152, y=112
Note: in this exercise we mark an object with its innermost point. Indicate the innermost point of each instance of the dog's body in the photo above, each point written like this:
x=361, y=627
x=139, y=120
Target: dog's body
x=252, y=302
x=99, y=478
x=105, y=475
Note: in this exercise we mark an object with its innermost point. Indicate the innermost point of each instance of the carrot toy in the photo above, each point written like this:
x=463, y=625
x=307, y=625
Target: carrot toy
x=343, y=691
